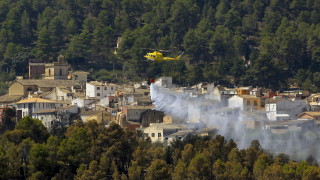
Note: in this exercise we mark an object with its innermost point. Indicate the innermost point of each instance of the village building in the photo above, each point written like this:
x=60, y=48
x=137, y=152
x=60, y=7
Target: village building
x=314, y=102
x=101, y=116
x=246, y=102
x=54, y=116
x=82, y=101
x=80, y=76
x=169, y=119
x=57, y=70
x=99, y=90
x=243, y=90
x=151, y=116
x=160, y=131
x=36, y=70
x=27, y=107
x=24, y=87
x=284, y=109
x=133, y=113
x=164, y=82
x=258, y=92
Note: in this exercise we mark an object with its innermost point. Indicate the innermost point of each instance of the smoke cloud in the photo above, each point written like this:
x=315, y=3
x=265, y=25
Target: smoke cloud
x=230, y=123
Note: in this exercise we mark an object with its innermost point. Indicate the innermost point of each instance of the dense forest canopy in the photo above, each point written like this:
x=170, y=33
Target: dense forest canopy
x=269, y=43
x=92, y=151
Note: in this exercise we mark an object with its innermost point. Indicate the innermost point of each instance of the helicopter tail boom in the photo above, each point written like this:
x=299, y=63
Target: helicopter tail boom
x=178, y=57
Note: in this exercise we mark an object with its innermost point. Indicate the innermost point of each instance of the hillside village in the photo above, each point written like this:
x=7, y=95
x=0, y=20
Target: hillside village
x=58, y=97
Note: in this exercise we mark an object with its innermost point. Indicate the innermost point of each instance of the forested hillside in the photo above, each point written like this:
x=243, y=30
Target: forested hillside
x=270, y=43
x=92, y=151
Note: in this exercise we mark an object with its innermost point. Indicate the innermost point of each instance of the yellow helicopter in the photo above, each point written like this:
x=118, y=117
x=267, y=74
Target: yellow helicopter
x=158, y=56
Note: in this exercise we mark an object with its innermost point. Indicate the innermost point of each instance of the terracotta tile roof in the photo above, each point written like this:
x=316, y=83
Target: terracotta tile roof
x=311, y=113
x=47, y=82
x=34, y=100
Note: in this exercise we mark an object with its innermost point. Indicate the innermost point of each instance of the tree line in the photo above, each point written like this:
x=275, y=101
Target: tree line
x=93, y=151
x=268, y=43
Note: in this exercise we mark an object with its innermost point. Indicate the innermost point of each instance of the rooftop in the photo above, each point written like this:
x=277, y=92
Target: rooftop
x=139, y=107
x=89, y=112
x=165, y=126
x=311, y=113
x=80, y=72
x=9, y=98
x=35, y=100
x=96, y=83
x=47, y=82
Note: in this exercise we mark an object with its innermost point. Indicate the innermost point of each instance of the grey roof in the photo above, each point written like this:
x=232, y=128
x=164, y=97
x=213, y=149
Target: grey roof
x=47, y=82
x=180, y=133
x=9, y=98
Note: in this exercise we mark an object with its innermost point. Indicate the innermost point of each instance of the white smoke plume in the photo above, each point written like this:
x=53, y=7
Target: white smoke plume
x=298, y=145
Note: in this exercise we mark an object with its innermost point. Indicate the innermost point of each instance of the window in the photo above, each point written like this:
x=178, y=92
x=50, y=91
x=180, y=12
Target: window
x=98, y=94
x=105, y=88
x=24, y=105
x=111, y=88
x=49, y=72
x=255, y=103
x=146, y=134
x=159, y=134
x=98, y=88
x=152, y=135
x=60, y=72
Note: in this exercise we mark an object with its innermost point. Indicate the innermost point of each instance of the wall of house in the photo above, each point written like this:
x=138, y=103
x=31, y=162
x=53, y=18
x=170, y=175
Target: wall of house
x=56, y=71
x=235, y=102
x=134, y=114
x=80, y=77
x=151, y=116
x=251, y=104
x=36, y=70
x=28, y=108
x=97, y=117
x=46, y=119
x=155, y=134
x=243, y=91
x=90, y=90
x=164, y=81
x=83, y=102
x=194, y=113
x=16, y=89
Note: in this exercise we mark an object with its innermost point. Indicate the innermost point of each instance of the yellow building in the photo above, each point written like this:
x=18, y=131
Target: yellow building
x=243, y=90
x=99, y=116
x=57, y=70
